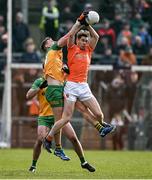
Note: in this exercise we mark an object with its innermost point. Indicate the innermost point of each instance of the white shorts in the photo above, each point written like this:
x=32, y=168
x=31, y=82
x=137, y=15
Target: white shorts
x=77, y=91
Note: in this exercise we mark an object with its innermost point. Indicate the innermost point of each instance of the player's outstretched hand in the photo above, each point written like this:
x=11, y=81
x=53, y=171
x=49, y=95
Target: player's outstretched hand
x=65, y=68
x=82, y=18
x=44, y=84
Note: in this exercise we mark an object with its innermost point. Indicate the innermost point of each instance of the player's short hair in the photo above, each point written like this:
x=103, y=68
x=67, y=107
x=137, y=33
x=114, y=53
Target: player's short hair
x=84, y=33
x=42, y=46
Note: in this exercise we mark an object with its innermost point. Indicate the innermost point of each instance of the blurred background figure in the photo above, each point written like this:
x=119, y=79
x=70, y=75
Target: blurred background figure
x=117, y=23
x=116, y=96
x=145, y=36
x=126, y=57
x=20, y=33
x=30, y=55
x=123, y=7
x=108, y=32
x=147, y=60
x=88, y=7
x=3, y=42
x=117, y=137
x=107, y=57
x=50, y=19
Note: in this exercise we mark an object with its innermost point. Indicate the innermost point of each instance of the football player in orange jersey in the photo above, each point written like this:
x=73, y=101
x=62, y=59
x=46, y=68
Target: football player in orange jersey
x=79, y=59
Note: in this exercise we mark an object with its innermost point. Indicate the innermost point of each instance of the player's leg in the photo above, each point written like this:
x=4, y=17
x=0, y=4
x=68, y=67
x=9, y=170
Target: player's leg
x=58, y=148
x=88, y=115
x=71, y=135
x=94, y=107
x=41, y=133
x=66, y=117
x=54, y=95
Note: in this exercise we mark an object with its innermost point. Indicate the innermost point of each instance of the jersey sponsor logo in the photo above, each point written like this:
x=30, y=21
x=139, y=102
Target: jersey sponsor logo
x=81, y=56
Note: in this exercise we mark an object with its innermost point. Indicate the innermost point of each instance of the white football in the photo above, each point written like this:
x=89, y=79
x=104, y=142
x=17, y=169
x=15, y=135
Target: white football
x=92, y=18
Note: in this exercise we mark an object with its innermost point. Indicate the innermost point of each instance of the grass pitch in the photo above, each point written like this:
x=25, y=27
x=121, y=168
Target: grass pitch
x=14, y=164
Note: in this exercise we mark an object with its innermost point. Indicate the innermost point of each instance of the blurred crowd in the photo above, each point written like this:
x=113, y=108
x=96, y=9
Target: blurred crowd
x=125, y=30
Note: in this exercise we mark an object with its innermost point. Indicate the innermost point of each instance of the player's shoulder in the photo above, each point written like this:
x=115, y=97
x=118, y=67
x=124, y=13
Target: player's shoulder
x=73, y=46
x=55, y=47
x=89, y=48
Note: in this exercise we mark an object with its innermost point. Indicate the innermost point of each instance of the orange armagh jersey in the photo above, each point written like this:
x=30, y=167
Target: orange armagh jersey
x=78, y=62
x=44, y=107
x=53, y=63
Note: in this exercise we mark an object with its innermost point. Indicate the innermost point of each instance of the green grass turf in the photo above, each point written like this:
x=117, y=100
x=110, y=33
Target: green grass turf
x=14, y=163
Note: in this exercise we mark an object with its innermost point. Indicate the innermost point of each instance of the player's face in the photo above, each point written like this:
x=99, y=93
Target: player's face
x=49, y=43
x=82, y=42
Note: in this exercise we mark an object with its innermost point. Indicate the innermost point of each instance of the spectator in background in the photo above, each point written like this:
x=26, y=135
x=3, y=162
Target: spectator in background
x=125, y=32
x=106, y=7
x=2, y=30
x=136, y=23
x=107, y=58
x=123, y=7
x=143, y=7
x=3, y=42
x=147, y=60
x=2, y=34
x=126, y=57
x=50, y=19
x=77, y=7
x=122, y=44
x=102, y=45
x=20, y=33
x=117, y=24
x=66, y=14
x=30, y=55
x=138, y=47
x=88, y=7
x=108, y=32
x=131, y=79
x=2, y=27
x=1, y=20
x=116, y=96
x=117, y=137
x=145, y=36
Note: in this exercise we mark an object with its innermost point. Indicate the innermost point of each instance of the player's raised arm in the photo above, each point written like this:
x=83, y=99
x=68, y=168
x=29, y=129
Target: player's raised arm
x=74, y=30
x=63, y=41
x=70, y=36
x=94, y=37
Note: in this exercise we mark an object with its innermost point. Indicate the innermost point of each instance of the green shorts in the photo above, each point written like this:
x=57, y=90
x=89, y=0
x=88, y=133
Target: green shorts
x=54, y=95
x=47, y=121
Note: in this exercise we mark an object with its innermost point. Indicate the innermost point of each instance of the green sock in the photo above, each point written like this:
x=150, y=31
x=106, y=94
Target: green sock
x=98, y=126
x=34, y=163
x=82, y=160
